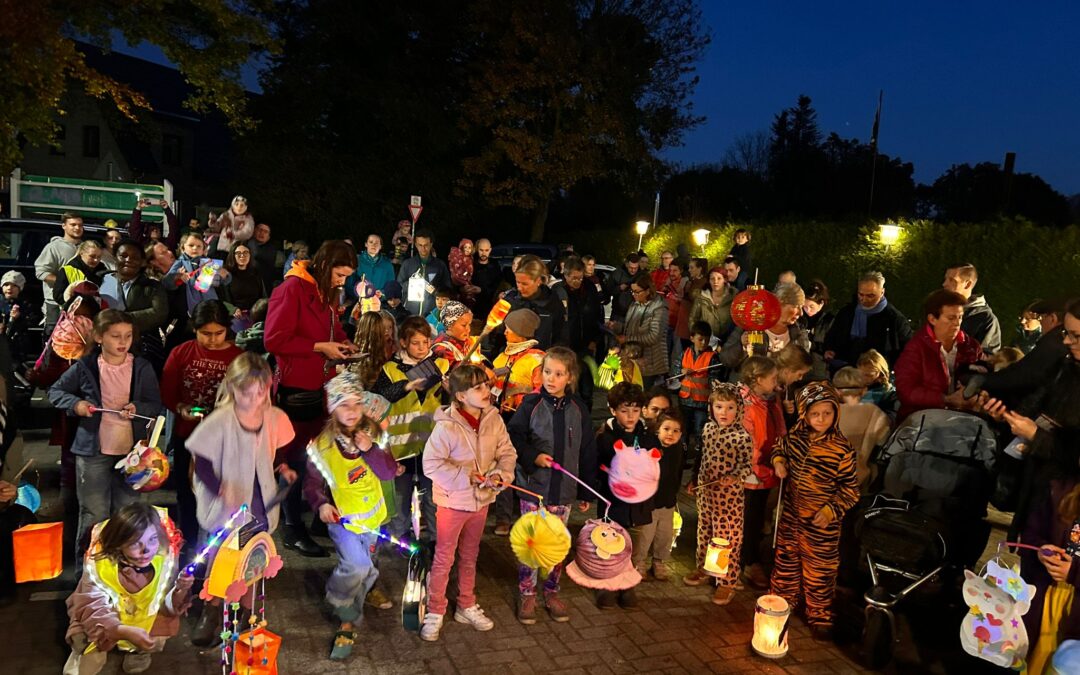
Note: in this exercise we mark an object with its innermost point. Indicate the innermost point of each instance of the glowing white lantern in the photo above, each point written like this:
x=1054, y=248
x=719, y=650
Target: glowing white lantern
x=770, y=627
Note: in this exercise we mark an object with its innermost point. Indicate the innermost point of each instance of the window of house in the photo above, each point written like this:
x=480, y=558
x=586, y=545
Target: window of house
x=61, y=140
x=91, y=141
x=172, y=150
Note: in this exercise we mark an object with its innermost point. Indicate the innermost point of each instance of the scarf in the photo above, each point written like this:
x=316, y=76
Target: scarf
x=514, y=348
x=858, y=324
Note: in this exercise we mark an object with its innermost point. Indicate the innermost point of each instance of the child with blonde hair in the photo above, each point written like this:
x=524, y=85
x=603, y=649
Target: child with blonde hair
x=863, y=424
x=879, y=386
x=723, y=467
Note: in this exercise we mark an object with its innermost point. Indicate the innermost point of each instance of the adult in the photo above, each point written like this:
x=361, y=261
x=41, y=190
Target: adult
x=55, y=255
x=110, y=241
x=643, y=261
x=868, y=323
x=140, y=232
x=86, y=265
x=644, y=324
x=532, y=292
x=1030, y=374
x=486, y=276
x=617, y=287
x=695, y=284
x=265, y=254
x=928, y=370
x=304, y=334
x=736, y=275
x=130, y=290
x=422, y=275
x=371, y=266
x=247, y=285
x=816, y=317
x=660, y=274
x=674, y=292
x=785, y=331
x=584, y=316
x=460, y=262
x=980, y=323
x=713, y=304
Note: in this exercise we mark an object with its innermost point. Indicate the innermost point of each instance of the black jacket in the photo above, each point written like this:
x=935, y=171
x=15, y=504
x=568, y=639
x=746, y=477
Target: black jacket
x=147, y=303
x=887, y=332
x=981, y=323
x=671, y=469
x=487, y=277
x=562, y=428
x=627, y=515
x=548, y=306
x=584, y=314
x=1027, y=375
x=620, y=299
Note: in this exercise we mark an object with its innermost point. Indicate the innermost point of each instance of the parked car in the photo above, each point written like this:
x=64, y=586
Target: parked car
x=504, y=254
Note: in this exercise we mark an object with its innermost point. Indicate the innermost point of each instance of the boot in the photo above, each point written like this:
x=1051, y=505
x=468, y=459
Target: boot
x=606, y=599
x=297, y=539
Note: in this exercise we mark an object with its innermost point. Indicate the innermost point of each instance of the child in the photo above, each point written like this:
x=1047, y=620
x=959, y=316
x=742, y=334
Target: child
x=435, y=315
x=413, y=402
x=185, y=271
x=630, y=358
x=469, y=458
x=1004, y=357
x=764, y=420
x=454, y=342
x=793, y=363
x=189, y=386
x=345, y=468
x=234, y=450
x=863, y=424
x=552, y=425
x=821, y=485
x=251, y=339
x=517, y=369
x=657, y=536
x=879, y=387
x=129, y=595
x=371, y=344
x=108, y=377
x=657, y=401
x=696, y=375
x=625, y=401
x=300, y=251
x=391, y=301
x=727, y=449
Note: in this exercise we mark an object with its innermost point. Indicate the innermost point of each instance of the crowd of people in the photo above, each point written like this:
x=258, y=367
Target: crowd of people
x=358, y=376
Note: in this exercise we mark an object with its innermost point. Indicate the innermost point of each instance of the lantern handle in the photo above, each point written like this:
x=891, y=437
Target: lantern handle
x=559, y=467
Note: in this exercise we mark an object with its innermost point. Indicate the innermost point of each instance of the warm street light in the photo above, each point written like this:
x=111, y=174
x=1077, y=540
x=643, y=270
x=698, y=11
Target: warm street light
x=701, y=237
x=889, y=233
x=642, y=226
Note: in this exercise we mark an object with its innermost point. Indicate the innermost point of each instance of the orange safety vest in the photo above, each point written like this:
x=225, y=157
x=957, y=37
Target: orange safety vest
x=695, y=386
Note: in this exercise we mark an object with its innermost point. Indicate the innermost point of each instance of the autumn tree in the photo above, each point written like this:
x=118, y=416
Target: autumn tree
x=209, y=40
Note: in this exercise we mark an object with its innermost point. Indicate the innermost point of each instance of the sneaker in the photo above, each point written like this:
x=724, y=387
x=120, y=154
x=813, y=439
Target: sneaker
x=377, y=599
x=502, y=528
x=644, y=572
x=606, y=599
x=722, y=595
x=527, y=609
x=136, y=663
x=429, y=631
x=755, y=576
x=556, y=608
x=628, y=599
x=821, y=632
x=660, y=571
x=474, y=616
x=695, y=578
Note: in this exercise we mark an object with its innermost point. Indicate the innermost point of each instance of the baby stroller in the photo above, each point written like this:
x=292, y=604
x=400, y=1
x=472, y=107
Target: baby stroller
x=930, y=521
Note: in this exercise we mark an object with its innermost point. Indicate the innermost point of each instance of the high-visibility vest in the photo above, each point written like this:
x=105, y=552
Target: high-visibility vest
x=523, y=378
x=695, y=386
x=357, y=491
x=411, y=422
x=74, y=274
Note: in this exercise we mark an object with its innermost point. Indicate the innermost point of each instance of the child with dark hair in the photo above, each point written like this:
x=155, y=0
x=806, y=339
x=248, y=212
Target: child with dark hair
x=251, y=339
x=391, y=301
x=624, y=428
x=657, y=401
x=434, y=317
x=656, y=537
x=699, y=366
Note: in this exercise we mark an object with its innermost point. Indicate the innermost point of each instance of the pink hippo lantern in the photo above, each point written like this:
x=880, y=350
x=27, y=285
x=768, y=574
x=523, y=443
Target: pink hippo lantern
x=635, y=473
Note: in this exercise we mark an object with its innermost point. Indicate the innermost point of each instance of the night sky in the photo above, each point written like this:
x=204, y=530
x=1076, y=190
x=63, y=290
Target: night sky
x=964, y=81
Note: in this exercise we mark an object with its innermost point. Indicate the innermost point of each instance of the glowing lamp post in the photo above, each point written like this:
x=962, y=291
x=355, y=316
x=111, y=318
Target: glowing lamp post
x=889, y=233
x=770, y=627
x=642, y=226
x=701, y=238
x=718, y=557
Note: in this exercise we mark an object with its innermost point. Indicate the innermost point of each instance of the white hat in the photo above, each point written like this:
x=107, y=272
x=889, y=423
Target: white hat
x=13, y=277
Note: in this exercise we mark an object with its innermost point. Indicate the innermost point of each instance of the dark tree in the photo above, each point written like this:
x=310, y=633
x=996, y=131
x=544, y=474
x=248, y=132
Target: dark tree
x=796, y=161
x=968, y=193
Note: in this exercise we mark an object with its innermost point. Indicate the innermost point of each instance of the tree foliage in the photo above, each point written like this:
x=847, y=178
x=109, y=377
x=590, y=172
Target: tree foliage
x=210, y=40
x=966, y=193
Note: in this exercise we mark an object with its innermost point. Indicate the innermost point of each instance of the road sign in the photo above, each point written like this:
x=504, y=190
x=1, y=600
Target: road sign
x=414, y=211
x=414, y=200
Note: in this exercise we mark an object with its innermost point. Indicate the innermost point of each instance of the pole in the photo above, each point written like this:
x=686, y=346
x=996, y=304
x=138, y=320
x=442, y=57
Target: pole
x=639, y=238
x=655, y=213
x=873, y=152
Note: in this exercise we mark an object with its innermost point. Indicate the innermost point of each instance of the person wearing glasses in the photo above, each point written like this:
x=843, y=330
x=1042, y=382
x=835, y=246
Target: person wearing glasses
x=645, y=323
x=247, y=287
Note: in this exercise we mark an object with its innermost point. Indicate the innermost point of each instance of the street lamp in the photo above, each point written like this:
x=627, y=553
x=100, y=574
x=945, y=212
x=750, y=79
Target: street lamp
x=701, y=237
x=642, y=226
x=889, y=233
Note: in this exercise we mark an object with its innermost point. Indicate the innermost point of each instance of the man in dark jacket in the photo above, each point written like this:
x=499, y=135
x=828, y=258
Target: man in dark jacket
x=868, y=323
x=584, y=314
x=264, y=253
x=979, y=320
x=1023, y=378
x=735, y=274
x=486, y=276
x=422, y=275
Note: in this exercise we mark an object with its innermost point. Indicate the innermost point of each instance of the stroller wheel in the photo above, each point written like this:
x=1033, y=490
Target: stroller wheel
x=877, y=638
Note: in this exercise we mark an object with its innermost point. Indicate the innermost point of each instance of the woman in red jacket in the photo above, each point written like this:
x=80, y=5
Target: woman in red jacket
x=303, y=332
x=926, y=370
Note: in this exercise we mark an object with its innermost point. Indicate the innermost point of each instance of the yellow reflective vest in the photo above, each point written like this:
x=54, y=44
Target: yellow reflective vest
x=410, y=421
x=357, y=491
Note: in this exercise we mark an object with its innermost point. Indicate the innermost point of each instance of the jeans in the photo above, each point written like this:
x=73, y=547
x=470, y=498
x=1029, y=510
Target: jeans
x=528, y=577
x=102, y=491
x=401, y=523
x=459, y=535
x=355, y=573
x=656, y=536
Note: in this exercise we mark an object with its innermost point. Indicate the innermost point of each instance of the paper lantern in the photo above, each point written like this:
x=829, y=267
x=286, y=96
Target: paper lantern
x=770, y=627
x=993, y=629
x=602, y=558
x=72, y=335
x=256, y=652
x=38, y=551
x=755, y=309
x=246, y=565
x=634, y=475
x=718, y=557
x=540, y=540
x=604, y=379
x=145, y=468
x=414, y=596
x=497, y=314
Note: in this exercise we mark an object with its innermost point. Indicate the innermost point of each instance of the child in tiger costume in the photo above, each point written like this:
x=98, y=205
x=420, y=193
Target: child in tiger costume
x=817, y=466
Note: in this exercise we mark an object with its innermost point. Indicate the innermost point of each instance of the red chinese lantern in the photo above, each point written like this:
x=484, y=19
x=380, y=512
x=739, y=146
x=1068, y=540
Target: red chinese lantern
x=755, y=309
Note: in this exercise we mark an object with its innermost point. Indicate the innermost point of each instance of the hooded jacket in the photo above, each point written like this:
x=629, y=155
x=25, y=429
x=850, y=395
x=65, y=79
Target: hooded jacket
x=455, y=454
x=377, y=271
x=560, y=427
x=764, y=421
x=981, y=324
x=54, y=256
x=717, y=315
x=922, y=377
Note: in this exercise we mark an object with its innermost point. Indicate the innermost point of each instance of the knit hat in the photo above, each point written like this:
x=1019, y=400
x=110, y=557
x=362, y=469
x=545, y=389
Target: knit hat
x=13, y=277
x=602, y=558
x=392, y=290
x=523, y=322
x=343, y=388
x=453, y=311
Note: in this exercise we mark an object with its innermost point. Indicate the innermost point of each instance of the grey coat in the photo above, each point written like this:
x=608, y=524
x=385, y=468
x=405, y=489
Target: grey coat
x=647, y=324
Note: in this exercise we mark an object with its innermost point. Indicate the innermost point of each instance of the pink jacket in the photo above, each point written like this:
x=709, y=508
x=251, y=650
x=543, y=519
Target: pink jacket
x=455, y=454
x=296, y=320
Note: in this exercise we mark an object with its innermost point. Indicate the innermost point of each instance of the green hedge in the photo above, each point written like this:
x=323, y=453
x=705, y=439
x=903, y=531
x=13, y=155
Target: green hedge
x=1017, y=260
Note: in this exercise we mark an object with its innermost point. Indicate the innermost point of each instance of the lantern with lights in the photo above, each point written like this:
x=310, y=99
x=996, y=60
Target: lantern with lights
x=718, y=557
x=770, y=627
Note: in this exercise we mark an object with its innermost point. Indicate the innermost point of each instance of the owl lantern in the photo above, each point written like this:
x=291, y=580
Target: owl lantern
x=602, y=559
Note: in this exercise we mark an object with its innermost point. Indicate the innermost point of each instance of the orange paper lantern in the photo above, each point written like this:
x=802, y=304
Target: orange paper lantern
x=38, y=551
x=254, y=646
x=498, y=313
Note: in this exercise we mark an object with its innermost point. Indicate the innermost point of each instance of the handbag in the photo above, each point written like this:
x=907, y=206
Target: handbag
x=301, y=405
